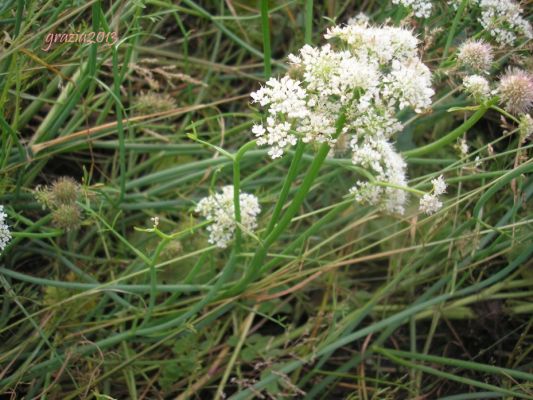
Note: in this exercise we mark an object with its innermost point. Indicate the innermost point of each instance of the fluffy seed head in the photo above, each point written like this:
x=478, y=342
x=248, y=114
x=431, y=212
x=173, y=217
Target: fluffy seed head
x=154, y=102
x=516, y=91
x=67, y=217
x=5, y=234
x=64, y=190
x=475, y=55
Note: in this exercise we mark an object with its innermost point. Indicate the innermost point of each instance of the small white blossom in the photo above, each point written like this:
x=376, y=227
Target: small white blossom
x=379, y=158
x=409, y=84
x=429, y=204
x=5, y=234
x=219, y=208
x=439, y=186
x=477, y=86
x=475, y=55
x=421, y=8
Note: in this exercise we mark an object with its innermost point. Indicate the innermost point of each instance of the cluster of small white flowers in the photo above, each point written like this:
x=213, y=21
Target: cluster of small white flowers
x=477, y=86
x=421, y=8
x=379, y=158
x=475, y=55
x=503, y=20
x=219, y=208
x=430, y=203
x=5, y=234
x=368, y=74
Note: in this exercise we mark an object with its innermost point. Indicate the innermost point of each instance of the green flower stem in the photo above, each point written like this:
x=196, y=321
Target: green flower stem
x=255, y=265
x=451, y=32
x=237, y=191
x=308, y=32
x=505, y=114
x=153, y=281
x=289, y=179
x=453, y=135
x=315, y=227
x=265, y=27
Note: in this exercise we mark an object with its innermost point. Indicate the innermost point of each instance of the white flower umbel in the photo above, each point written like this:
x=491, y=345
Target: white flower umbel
x=5, y=234
x=421, y=8
x=368, y=74
x=379, y=158
x=502, y=19
x=430, y=203
x=219, y=208
x=477, y=86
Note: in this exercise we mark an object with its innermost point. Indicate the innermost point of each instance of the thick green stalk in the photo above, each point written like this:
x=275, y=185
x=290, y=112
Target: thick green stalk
x=261, y=253
x=289, y=179
x=453, y=135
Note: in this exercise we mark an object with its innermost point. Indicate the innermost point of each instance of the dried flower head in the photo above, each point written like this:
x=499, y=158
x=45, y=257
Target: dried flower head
x=516, y=91
x=219, y=209
x=64, y=190
x=477, y=86
x=475, y=55
x=5, y=234
x=67, y=217
x=152, y=102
